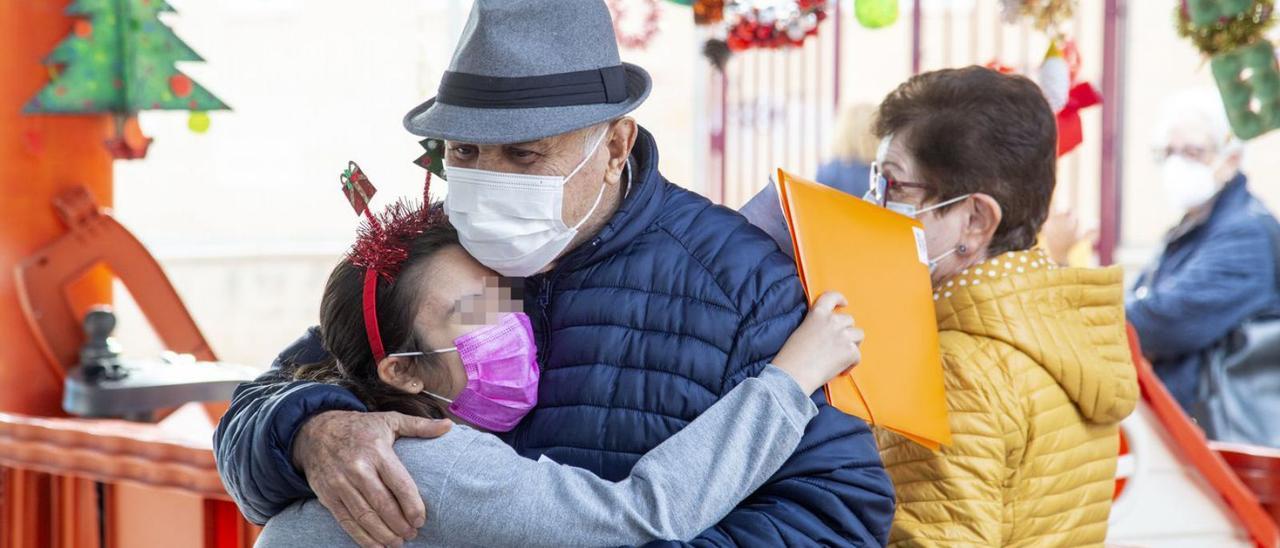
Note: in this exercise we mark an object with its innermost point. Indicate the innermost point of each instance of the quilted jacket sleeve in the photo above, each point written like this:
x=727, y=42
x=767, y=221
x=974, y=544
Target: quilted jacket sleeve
x=1218, y=289
x=252, y=442
x=954, y=497
x=833, y=491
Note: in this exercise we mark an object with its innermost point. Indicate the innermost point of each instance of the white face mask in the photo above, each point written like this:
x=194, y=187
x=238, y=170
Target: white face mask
x=1187, y=183
x=511, y=222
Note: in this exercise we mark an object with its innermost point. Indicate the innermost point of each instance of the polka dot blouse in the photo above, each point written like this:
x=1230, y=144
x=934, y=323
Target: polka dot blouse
x=1008, y=264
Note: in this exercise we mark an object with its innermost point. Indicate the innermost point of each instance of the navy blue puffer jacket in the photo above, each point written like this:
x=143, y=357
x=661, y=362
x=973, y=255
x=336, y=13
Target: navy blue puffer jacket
x=639, y=331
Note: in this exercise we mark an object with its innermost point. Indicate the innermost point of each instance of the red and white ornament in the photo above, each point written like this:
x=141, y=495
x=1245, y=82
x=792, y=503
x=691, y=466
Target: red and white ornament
x=771, y=23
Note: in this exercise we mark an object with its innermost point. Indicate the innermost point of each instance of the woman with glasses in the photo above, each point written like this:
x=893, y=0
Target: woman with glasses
x=1035, y=357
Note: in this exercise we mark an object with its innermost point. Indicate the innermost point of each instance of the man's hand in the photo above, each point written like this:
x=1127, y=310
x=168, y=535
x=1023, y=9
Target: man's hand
x=349, y=462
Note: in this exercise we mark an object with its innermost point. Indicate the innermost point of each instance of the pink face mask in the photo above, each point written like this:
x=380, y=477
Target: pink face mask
x=501, y=361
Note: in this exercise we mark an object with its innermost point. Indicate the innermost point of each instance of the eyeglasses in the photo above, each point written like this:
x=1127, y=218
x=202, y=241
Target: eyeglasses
x=1190, y=152
x=882, y=184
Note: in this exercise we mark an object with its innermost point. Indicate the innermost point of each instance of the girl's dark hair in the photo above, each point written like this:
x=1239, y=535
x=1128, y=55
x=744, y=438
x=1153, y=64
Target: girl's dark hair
x=350, y=363
x=976, y=130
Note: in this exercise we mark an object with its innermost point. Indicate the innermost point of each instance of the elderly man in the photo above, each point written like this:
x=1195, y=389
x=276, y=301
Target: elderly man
x=648, y=303
x=1218, y=268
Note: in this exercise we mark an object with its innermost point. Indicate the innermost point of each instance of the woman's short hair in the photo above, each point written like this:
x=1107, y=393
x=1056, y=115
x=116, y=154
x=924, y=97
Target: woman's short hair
x=976, y=130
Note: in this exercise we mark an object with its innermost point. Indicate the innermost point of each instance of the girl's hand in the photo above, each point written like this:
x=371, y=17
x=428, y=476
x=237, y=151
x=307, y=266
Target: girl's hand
x=825, y=345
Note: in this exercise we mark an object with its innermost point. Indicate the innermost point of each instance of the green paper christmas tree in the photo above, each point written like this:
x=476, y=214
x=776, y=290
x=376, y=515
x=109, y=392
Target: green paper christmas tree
x=1249, y=80
x=119, y=58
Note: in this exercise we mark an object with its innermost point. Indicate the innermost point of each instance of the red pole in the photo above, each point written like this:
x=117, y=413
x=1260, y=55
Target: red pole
x=835, y=34
x=916, y=27
x=1113, y=65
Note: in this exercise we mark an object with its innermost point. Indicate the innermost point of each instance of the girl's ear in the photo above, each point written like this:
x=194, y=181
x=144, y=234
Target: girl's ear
x=399, y=373
x=982, y=223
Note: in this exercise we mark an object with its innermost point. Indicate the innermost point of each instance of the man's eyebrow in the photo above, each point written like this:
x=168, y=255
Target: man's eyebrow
x=528, y=144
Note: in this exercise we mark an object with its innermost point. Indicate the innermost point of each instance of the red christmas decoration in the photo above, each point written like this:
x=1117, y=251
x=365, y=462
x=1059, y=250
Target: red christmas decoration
x=357, y=188
x=1081, y=95
x=383, y=241
x=637, y=39
x=181, y=85
x=786, y=24
x=1070, y=134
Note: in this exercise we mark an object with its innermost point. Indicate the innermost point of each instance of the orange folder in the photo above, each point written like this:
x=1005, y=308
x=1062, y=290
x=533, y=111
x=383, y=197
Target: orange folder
x=878, y=260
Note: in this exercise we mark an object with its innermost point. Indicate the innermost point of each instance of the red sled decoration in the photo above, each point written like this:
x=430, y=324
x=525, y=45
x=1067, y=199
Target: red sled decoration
x=357, y=188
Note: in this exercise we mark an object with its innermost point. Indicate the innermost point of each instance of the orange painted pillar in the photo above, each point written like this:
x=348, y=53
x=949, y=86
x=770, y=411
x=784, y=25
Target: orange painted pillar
x=40, y=156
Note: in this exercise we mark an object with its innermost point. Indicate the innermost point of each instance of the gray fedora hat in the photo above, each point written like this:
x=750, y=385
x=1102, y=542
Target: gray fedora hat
x=528, y=69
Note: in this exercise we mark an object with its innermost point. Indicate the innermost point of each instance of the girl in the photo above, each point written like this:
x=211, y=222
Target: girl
x=455, y=348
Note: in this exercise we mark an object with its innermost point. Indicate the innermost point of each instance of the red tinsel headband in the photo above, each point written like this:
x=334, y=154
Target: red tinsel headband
x=382, y=244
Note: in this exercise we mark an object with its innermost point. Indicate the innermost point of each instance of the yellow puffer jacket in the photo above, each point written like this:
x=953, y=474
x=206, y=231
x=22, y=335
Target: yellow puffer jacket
x=1038, y=374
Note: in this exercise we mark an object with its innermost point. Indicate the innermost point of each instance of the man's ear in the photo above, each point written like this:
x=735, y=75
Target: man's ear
x=1231, y=162
x=399, y=373
x=983, y=220
x=621, y=138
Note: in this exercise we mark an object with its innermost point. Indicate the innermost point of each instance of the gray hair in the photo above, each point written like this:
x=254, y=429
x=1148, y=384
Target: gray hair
x=1200, y=108
x=589, y=137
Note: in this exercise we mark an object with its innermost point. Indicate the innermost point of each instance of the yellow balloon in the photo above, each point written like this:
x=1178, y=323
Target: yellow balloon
x=198, y=122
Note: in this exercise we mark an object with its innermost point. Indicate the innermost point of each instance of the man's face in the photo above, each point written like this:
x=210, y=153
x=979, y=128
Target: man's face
x=1193, y=142
x=559, y=155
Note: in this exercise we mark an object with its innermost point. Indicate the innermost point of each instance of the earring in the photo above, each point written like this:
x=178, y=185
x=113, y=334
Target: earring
x=962, y=249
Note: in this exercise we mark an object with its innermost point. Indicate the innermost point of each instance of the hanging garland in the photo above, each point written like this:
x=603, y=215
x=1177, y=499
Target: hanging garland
x=1226, y=33
x=771, y=25
x=649, y=25
x=739, y=25
x=1067, y=95
x=1242, y=60
x=1045, y=15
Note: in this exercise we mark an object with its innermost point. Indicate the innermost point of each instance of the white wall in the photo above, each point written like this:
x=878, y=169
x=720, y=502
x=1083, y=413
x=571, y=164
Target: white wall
x=248, y=218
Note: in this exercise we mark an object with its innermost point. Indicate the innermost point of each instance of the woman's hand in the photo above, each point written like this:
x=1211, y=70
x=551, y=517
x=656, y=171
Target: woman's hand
x=825, y=345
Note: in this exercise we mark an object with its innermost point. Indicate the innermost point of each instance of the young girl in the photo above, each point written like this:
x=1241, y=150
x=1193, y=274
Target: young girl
x=453, y=348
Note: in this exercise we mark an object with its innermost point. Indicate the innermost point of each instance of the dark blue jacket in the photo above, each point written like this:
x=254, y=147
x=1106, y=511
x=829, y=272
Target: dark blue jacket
x=765, y=211
x=639, y=331
x=1213, y=274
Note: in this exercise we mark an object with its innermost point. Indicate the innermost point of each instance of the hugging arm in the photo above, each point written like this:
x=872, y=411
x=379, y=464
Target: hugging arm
x=494, y=497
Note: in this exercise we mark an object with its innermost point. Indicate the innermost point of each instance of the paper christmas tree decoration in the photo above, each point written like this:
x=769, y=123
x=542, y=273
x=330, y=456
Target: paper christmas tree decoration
x=432, y=159
x=119, y=58
x=1205, y=12
x=1249, y=80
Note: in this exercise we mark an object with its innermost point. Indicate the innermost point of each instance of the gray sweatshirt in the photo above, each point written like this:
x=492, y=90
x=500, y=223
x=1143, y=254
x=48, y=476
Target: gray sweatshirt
x=480, y=492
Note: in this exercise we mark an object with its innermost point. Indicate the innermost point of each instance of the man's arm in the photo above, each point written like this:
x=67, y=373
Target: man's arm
x=1221, y=286
x=833, y=490
x=275, y=423
x=252, y=444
